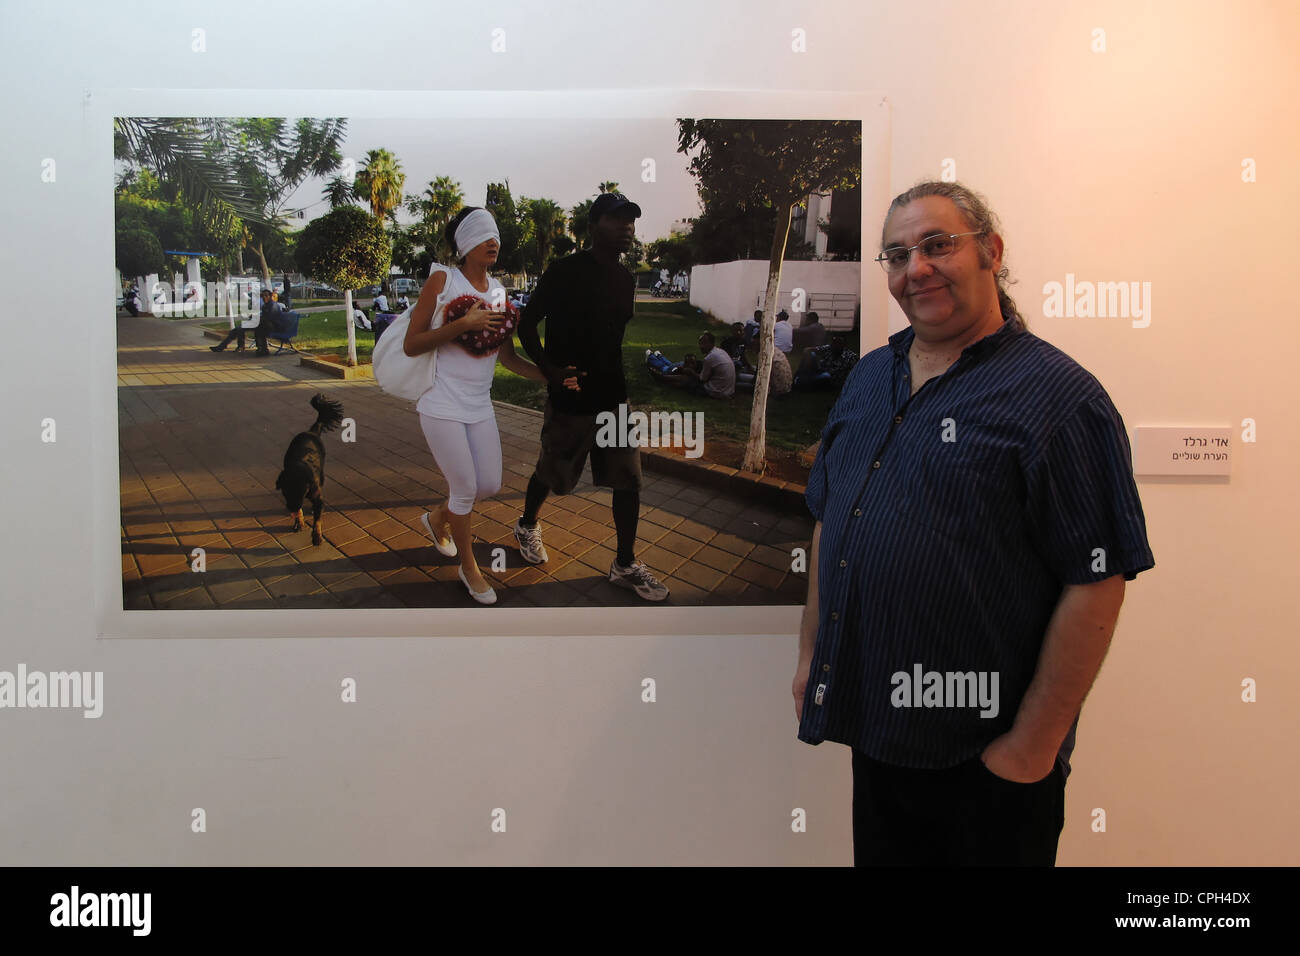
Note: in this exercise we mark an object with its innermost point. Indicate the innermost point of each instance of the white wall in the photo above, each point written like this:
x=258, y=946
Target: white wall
x=733, y=290
x=1118, y=165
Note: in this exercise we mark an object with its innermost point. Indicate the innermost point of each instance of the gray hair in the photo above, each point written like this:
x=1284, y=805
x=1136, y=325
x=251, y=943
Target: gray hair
x=979, y=217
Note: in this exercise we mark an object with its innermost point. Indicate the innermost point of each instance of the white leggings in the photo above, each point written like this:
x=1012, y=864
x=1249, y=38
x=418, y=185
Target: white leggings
x=469, y=457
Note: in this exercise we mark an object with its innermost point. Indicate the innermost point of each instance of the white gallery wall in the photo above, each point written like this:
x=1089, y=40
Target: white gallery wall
x=1150, y=143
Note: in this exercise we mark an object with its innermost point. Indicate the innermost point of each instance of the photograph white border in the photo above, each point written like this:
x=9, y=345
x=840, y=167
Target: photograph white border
x=95, y=246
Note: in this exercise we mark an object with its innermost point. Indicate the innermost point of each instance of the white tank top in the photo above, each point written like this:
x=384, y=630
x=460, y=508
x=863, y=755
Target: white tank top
x=462, y=381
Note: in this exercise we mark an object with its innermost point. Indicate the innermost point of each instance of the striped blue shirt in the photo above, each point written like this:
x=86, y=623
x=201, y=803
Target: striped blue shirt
x=951, y=521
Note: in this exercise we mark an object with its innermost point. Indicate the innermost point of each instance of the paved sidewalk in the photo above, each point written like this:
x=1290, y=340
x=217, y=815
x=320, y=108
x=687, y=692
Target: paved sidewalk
x=202, y=437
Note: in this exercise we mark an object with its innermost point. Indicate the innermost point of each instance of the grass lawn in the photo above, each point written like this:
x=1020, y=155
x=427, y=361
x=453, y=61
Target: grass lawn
x=322, y=333
x=793, y=422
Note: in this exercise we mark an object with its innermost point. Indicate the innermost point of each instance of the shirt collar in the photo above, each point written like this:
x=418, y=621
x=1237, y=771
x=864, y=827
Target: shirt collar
x=901, y=341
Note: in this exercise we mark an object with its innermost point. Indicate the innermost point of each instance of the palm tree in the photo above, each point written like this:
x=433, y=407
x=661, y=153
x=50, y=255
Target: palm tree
x=379, y=182
x=192, y=154
x=441, y=200
x=548, y=225
x=338, y=192
x=609, y=187
x=578, y=219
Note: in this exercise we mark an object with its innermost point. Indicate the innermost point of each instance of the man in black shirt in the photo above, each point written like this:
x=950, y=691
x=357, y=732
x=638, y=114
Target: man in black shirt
x=586, y=301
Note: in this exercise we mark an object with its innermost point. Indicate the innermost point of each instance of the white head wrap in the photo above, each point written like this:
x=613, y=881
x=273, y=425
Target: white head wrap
x=476, y=228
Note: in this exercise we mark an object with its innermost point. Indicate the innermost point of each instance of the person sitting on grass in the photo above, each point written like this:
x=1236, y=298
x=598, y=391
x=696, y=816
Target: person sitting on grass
x=783, y=333
x=715, y=377
x=734, y=345
x=811, y=334
x=827, y=366
x=780, y=379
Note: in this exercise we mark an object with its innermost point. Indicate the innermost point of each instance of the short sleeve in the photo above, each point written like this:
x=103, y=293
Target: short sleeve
x=1083, y=511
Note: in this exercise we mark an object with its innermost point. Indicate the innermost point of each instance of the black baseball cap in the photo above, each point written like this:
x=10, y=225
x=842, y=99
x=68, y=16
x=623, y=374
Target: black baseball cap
x=608, y=204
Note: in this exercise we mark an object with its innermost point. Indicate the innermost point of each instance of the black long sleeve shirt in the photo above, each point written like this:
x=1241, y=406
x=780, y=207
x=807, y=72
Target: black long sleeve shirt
x=586, y=306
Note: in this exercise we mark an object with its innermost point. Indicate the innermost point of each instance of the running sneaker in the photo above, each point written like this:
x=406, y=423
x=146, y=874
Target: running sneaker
x=637, y=578
x=531, y=548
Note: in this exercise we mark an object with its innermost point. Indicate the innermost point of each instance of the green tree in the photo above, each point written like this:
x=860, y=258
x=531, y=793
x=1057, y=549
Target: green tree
x=272, y=158
x=434, y=208
x=347, y=248
x=780, y=162
x=338, y=192
x=548, y=227
x=672, y=253
x=144, y=201
x=634, y=256
x=516, y=230
x=138, y=252
x=405, y=251
x=192, y=155
x=609, y=187
x=579, y=220
x=379, y=183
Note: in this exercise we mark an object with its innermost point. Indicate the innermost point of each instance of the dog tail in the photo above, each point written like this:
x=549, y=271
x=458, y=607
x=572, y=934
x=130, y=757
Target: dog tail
x=328, y=414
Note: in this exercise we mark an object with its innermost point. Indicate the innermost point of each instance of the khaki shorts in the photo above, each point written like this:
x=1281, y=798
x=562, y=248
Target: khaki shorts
x=567, y=440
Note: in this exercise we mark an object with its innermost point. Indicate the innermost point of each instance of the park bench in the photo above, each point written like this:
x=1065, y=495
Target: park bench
x=287, y=331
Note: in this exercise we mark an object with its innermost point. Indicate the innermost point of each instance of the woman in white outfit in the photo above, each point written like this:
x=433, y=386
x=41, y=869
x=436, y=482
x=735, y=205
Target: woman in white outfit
x=456, y=413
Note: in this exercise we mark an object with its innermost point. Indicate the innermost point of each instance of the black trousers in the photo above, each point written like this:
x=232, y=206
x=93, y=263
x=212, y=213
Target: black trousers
x=236, y=333
x=961, y=816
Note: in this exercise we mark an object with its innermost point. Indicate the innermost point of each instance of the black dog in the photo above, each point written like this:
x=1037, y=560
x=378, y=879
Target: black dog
x=304, y=466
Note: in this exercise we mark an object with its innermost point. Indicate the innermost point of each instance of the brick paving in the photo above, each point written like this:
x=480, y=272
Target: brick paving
x=202, y=437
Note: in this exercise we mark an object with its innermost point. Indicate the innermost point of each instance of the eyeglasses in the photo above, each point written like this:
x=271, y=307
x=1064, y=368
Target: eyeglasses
x=895, y=259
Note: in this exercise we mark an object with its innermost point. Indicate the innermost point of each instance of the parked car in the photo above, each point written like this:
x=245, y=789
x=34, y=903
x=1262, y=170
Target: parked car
x=405, y=286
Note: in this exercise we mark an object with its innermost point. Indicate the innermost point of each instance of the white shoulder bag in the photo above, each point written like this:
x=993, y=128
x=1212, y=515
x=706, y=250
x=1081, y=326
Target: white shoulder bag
x=406, y=376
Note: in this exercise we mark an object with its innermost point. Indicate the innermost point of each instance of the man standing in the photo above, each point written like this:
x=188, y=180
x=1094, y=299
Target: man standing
x=977, y=519
x=586, y=302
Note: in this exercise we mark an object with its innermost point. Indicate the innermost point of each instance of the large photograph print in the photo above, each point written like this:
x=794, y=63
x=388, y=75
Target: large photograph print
x=544, y=363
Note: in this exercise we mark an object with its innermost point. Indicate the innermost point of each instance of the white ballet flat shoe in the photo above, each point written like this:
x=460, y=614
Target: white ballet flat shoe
x=483, y=597
x=448, y=549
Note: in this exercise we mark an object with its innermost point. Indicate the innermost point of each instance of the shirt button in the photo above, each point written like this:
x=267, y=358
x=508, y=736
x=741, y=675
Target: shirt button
x=857, y=512
x=835, y=615
x=898, y=419
x=843, y=563
x=876, y=463
x=826, y=668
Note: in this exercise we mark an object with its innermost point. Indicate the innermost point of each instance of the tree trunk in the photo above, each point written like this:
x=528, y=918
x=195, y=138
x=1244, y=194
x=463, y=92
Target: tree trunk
x=266, y=271
x=756, y=447
x=352, y=328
